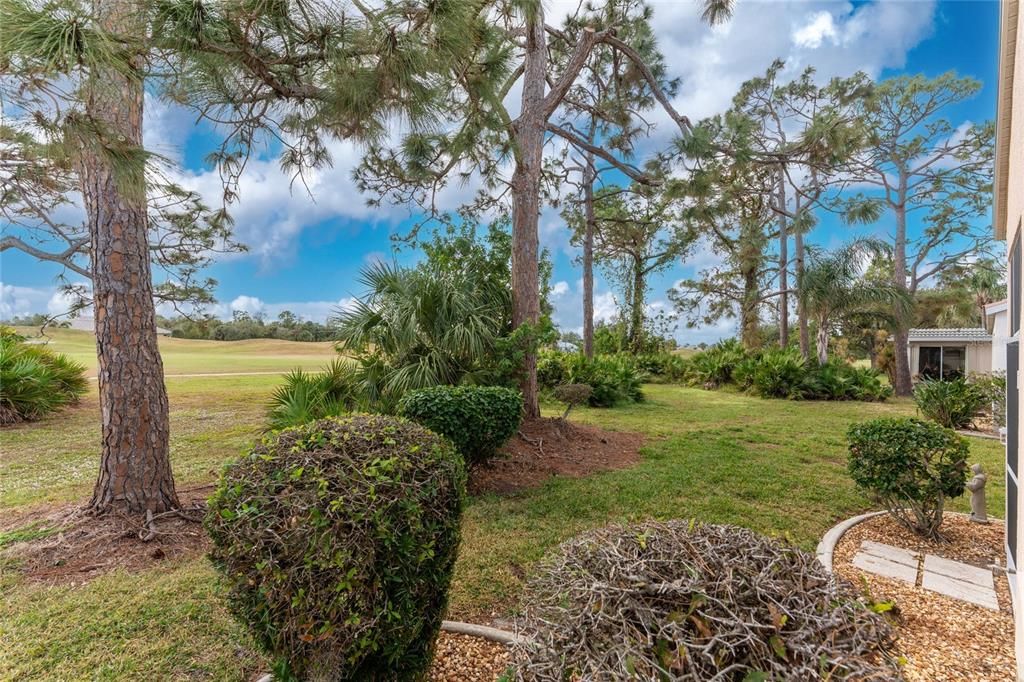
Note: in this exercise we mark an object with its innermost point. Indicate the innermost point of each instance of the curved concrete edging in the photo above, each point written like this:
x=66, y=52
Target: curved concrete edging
x=459, y=628
x=827, y=546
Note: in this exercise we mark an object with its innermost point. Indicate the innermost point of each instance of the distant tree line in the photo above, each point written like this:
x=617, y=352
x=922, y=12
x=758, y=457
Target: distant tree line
x=287, y=327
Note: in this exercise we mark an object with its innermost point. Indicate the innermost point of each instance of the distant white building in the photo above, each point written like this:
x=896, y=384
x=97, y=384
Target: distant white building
x=999, y=328
x=949, y=353
x=88, y=324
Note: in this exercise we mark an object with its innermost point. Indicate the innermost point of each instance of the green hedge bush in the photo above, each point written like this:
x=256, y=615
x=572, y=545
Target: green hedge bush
x=34, y=380
x=953, y=403
x=477, y=419
x=783, y=373
x=337, y=541
x=911, y=466
x=615, y=379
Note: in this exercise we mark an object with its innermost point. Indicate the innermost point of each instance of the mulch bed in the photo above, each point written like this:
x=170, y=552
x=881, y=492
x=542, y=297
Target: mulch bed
x=86, y=546
x=461, y=658
x=549, y=447
x=942, y=638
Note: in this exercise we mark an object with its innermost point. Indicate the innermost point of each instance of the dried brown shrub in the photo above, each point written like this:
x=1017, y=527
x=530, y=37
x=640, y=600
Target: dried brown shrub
x=687, y=601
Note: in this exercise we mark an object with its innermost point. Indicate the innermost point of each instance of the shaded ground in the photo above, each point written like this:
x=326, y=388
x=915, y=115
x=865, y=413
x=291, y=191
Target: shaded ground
x=549, y=447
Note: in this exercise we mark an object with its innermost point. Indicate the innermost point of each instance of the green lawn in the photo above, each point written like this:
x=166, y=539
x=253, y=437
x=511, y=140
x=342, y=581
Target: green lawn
x=775, y=466
x=191, y=356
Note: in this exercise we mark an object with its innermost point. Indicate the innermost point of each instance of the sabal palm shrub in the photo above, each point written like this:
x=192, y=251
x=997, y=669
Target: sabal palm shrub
x=614, y=379
x=307, y=396
x=714, y=367
x=422, y=327
x=34, y=380
x=953, y=403
x=779, y=373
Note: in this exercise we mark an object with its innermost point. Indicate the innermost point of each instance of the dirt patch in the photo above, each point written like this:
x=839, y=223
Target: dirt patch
x=66, y=545
x=549, y=447
x=942, y=638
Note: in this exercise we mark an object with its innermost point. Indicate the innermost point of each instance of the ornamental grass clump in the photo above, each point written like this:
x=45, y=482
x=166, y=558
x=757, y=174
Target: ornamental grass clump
x=337, y=540
x=911, y=467
x=690, y=601
x=477, y=419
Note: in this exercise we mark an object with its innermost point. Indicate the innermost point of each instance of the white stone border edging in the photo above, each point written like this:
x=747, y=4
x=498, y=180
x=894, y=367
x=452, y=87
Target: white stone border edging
x=459, y=628
x=828, y=543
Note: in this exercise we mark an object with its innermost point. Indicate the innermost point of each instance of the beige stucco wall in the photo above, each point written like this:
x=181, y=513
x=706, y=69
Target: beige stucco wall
x=1009, y=214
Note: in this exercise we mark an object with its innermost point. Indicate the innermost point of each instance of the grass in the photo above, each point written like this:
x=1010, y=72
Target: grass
x=192, y=356
x=775, y=466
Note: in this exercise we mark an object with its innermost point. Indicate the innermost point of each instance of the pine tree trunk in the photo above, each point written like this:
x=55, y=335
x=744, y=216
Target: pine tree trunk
x=636, y=321
x=805, y=334
x=588, y=258
x=901, y=336
x=783, y=267
x=529, y=139
x=748, y=311
x=135, y=467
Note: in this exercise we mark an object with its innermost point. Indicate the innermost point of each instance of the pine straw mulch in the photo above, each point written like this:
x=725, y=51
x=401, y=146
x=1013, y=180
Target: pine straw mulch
x=78, y=546
x=942, y=638
x=461, y=658
x=549, y=447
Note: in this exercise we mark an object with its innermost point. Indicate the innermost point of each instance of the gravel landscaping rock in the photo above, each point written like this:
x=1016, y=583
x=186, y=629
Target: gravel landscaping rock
x=461, y=658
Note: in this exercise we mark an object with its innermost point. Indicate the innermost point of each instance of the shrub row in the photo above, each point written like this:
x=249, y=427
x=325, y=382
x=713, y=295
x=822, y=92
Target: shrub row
x=34, y=380
x=783, y=373
x=613, y=379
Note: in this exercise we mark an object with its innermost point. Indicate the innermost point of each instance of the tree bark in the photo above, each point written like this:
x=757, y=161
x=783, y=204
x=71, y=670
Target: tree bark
x=822, y=341
x=783, y=266
x=529, y=140
x=588, y=258
x=636, y=313
x=805, y=334
x=901, y=336
x=135, y=466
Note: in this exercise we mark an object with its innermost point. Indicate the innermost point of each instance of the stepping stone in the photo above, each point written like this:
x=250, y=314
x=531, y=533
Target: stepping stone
x=890, y=553
x=957, y=570
x=887, y=568
x=975, y=594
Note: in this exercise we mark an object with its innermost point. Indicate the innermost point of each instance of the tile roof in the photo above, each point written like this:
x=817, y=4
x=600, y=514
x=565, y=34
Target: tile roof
x=951, y=334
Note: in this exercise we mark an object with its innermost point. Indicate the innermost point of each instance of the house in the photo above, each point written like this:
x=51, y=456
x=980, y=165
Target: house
x=1007, y=217
x=998, y=322
x=949, y=353
x=88, y=324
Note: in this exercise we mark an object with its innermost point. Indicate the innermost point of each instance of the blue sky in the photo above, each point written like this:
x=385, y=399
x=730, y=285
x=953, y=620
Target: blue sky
x=305, y=252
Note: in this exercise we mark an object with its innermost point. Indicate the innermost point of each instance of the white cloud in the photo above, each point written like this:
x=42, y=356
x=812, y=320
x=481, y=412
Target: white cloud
x=559, y=289
x=248, y=304
x=17, y=300
x=820, y=27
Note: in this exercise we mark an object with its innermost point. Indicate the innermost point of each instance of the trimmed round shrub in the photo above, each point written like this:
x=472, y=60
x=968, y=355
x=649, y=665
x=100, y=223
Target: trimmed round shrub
x=953, y=403
x=337, y=541
x=572, y=395
x=689, y=601
x=911, y=467
x=477, y=419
